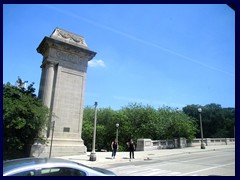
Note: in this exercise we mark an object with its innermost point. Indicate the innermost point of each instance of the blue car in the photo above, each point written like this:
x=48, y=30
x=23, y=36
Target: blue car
x=50, y=167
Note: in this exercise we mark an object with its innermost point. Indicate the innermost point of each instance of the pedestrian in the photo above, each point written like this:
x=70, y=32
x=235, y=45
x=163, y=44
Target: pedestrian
x=131, y=148
x=114, y=146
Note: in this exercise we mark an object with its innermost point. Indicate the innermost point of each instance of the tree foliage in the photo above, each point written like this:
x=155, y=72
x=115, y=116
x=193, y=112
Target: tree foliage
x=136, y=121
x=217, y=122
x=24, y=116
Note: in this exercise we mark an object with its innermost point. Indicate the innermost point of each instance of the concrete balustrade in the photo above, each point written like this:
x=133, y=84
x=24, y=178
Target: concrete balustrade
x=148, y=144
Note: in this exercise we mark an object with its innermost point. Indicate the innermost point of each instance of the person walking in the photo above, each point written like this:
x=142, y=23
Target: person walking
x=114, y=146
x=131, y=148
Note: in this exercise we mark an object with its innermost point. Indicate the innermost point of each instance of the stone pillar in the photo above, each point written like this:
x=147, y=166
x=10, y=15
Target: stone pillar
x=144, y=145
x=208, y=141
x=62, y=89
x=48, y=85
x=226, y=141
x=40, y=92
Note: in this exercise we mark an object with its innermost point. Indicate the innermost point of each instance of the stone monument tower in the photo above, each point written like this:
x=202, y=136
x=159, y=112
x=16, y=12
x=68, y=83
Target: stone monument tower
x=62, y=87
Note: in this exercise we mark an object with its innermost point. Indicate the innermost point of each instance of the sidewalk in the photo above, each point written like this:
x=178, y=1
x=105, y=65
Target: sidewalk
x=103, y=158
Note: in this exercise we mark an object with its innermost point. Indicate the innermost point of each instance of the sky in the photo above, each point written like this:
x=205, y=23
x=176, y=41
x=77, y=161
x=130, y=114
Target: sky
x=157, y=55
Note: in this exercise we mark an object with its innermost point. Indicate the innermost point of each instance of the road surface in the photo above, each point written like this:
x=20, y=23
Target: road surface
x=220, y=162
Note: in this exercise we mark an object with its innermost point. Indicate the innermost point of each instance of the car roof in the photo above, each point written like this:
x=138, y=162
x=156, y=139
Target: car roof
x=15, y=163
x=24, y=163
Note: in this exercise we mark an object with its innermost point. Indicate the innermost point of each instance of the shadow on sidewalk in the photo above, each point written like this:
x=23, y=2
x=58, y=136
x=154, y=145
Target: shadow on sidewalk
x=120, y=158
x=77, y=158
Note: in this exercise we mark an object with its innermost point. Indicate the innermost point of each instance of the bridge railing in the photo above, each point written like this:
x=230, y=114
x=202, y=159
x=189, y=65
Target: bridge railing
x=148, y=144
x=214, y=141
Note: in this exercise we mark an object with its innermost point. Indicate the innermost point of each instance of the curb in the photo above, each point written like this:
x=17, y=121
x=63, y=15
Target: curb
x=104, y=158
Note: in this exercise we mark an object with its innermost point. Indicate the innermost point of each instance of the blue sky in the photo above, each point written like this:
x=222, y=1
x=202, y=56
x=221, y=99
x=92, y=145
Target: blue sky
x=158, y=55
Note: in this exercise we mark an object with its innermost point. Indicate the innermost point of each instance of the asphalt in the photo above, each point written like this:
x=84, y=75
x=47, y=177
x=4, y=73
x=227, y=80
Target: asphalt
x=103, y=158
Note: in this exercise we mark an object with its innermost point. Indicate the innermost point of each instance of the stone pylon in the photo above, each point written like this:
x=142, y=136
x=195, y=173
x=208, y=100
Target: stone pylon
x=62, y=88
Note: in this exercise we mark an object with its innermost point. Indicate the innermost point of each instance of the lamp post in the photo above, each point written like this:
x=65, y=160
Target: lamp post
x=117, y=125
x=202, y=144
x=93, y=153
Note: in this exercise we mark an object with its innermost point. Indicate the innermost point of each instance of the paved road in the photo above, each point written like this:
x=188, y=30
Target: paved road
x=220, y=162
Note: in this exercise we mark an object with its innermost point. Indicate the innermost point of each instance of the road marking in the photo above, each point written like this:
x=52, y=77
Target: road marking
x=142, y=171
x=174, y=173
x=156, y=172
x=126, y=169
x=206, y=169
x=204, y=158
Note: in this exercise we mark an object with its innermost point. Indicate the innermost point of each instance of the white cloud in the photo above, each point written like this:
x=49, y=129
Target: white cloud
x=96, y=63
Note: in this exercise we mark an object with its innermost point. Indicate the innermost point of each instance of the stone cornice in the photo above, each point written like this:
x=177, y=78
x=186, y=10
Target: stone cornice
x=48, y=43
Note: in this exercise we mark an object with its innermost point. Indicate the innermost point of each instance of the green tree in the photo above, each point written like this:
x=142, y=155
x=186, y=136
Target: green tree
x=87, y=128
x=136, y=121
x=24, y=117
x=105, y=129
x=176, y=124
x=217, y=122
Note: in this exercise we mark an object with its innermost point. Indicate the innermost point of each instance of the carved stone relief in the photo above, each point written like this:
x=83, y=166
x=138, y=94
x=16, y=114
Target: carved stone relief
x=69, y=36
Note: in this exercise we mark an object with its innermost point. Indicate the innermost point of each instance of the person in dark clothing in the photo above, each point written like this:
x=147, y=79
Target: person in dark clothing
x=131, y=148
x=114, y=146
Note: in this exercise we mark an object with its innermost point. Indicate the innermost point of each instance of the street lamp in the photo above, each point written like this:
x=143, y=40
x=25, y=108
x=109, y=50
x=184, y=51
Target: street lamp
x=93, y=154
x=117, y=125
x=202, y=144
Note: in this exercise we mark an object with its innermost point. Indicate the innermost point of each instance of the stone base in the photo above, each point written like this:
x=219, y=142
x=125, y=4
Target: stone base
x=144, y=145
x=92, y=157
x=60, y=147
